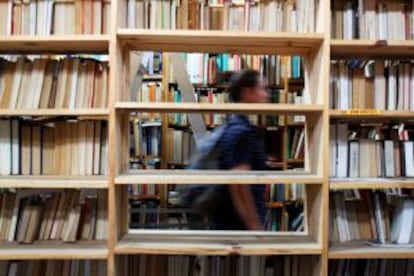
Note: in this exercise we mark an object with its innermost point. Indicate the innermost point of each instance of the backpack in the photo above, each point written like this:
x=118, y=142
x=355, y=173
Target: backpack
x=204, y=198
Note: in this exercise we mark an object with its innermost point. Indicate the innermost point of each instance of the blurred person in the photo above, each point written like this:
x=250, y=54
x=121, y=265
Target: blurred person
x=242, y=207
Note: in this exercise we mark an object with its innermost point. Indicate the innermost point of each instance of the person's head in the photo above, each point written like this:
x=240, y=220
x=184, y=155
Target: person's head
x=248, y=87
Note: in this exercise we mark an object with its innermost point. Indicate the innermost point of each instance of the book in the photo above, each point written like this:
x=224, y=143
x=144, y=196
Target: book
x=272, y=16
x=54, y=83
x=371, y=84
x=52, y=148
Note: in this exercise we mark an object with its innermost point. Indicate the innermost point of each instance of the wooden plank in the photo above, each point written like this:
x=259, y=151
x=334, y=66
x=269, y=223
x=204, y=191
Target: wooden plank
x=380, y=115
x=244, y=108
x=365, y=251
x=55, y=112
x=209, y=244
x=219, y=41
x=50, y=250
x=215, y=177
x=370, y=183
x=360, y=48
x=54, y=44
x=49, y=181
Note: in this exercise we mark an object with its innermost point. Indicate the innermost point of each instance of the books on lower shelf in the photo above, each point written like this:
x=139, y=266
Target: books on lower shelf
x=371, y=152
x=65, y=215
x=371, y=267
x=372, y=84
x=372, y=19
x=48, y=17
x=153, y=265
x=54, y=267
x=53, y=148
x=380, y=217
x=273, y=16
x=50, y=82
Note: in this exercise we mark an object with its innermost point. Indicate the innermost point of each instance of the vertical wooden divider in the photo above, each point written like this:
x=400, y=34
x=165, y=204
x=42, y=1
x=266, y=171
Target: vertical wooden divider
x=116, y=86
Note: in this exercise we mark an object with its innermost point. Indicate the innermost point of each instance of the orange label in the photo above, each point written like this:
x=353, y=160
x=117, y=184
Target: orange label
x=363, y=112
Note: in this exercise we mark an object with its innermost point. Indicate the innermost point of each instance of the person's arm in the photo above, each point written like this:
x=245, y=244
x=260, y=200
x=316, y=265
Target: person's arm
x=243, y=202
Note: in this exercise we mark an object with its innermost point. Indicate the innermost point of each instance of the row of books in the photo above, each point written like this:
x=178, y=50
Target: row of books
x=65, y=215
x=286, y=217
x=54, y=148
x=282, y=193
x=49, y=82
x=221, y=266
x=53, y=267
x=295, y=143
x=209, y=69
x=273, y=16
x=47, y=17
x=367, y=152
x=373, y=216
x=372, y=19
x=354, y=267
x=181, y=145
x=379, y=84
x=146, y=138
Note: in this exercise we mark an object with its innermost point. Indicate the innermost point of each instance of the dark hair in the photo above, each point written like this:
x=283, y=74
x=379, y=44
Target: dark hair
x=243, y=79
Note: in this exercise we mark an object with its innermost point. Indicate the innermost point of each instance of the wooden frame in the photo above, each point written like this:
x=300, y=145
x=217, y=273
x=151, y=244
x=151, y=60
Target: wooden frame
x=318, y=48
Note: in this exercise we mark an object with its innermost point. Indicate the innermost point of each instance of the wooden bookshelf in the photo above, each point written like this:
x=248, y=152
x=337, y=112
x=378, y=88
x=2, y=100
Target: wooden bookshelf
x=54, y=44
x=367, y=251
x=220, y=41
x=93, y=112
x=283, y=109
x=204, y=244
x=378, y=115
x=49, y=181
x=215, y=177
x=49, y=250
x=370, y=183
x=360, y=48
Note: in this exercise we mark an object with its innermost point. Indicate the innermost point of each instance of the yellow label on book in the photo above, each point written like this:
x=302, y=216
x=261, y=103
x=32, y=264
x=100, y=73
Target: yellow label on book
x=363, y=112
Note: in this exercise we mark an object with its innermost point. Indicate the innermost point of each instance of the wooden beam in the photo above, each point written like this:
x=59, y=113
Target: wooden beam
x=219, y=41
x=52, y=181
x=366, y=49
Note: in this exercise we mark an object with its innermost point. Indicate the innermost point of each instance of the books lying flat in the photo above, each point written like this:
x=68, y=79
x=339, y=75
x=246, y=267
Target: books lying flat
x=54, y=148
x=53, y=83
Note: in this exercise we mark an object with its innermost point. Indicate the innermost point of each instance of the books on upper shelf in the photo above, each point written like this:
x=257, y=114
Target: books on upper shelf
x=273, y=16
x=372, y=84
x=371, y=152
x=372, y=19
x=54, y=267
x=51, y=82
x=215, y=68
x=374, y=216
x=53, y=148
x=46, y=17
x=371, y=267
x=153, y=265
x=66, y=215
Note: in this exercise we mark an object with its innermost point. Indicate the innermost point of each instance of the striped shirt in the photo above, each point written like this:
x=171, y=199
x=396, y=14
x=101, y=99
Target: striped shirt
x=241, y=143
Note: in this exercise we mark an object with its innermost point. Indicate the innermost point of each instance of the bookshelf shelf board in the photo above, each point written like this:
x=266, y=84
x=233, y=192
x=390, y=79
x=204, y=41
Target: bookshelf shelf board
x=344, y=115
x=54, y=44
x=215, y=177
x=49, y=181
x=53, y=250
x=55, y=112
x=366, y=251
x=219, y=41
x=284, y=109
x=371, y=48
x=370, y=183
x=212, y=243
